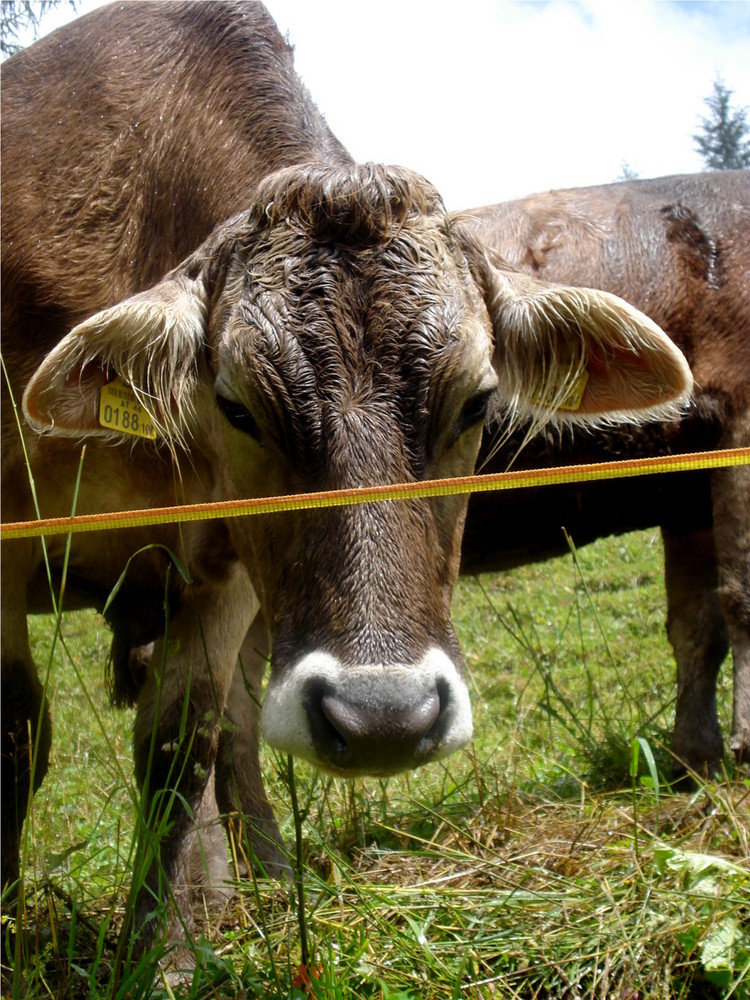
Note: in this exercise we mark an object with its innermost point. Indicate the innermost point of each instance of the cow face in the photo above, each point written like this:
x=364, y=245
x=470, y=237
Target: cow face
x=346, y=332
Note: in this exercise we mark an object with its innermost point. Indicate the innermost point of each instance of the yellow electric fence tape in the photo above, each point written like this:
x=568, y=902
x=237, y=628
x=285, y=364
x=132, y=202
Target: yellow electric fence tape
x=370, y=494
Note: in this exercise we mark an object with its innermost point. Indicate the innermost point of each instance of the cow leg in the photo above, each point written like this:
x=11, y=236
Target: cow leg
x=731, y=504
x=239, y=784
x=176, y=736
x=698, y=634
x=26, y=728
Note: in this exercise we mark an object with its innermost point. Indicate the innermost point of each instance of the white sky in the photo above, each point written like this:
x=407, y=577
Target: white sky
x=494, y=99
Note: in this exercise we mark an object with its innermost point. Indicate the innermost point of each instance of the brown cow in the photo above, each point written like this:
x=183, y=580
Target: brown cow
x=679, y=249
x=340, y=330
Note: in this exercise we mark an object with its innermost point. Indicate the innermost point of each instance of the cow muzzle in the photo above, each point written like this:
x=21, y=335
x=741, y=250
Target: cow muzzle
x=368, y=719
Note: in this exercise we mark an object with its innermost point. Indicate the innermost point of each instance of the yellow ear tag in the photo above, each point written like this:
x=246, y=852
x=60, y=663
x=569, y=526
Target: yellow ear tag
x=571, y=400
x=119, y=410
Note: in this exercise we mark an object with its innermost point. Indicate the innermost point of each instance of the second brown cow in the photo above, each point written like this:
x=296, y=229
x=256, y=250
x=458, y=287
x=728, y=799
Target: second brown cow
x=679, y=249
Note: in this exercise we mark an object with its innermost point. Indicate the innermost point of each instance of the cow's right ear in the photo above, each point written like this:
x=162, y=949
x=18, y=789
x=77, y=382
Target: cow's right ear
x=151, y=342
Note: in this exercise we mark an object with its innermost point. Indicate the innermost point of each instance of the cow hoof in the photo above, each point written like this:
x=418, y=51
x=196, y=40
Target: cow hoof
x=686, y=777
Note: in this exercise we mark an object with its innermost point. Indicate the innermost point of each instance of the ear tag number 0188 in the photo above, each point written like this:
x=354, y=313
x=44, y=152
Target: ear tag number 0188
x=119, y=410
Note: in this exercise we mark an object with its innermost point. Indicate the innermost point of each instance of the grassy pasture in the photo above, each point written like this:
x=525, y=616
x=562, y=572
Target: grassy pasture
x=549, y=860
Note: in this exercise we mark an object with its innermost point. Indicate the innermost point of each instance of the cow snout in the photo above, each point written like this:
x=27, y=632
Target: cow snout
x=368, y=719
x=357, y=737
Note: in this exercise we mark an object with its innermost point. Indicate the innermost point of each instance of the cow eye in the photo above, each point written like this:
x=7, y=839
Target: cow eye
x=238, y=416
x=475, y=410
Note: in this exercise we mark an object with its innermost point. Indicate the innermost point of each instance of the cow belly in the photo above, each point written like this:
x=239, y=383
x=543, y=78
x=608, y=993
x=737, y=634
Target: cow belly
x=526, y=525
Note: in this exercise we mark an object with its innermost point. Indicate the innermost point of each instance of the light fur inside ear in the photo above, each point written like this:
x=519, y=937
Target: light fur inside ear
x=152, y=341
x=580, y=355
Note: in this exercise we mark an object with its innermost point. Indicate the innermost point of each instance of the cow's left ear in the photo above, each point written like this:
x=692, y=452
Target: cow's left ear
x=576, y=353
x=151, y=343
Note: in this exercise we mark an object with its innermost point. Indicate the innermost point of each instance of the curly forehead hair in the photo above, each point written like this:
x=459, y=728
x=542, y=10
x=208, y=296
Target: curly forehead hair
x=353, y=206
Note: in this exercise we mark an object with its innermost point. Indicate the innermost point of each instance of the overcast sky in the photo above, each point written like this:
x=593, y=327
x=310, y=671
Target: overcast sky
x=494, y=99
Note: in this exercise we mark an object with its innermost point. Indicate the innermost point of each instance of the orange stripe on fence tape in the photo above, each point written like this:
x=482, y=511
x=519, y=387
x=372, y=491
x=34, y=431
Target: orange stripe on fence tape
x=371, y=494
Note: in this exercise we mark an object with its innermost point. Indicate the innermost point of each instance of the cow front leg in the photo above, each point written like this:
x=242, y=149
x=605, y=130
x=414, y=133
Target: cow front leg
x=731, y=503
x=240, y=793
x=698, y=633
x=176, y=736
x=26, y=727
x=26, y=741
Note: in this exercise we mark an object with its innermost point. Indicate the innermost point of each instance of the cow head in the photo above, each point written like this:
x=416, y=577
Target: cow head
x=347, y=332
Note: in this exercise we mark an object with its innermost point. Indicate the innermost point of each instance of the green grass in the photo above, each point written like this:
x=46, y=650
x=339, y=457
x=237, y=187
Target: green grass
x=551, y=859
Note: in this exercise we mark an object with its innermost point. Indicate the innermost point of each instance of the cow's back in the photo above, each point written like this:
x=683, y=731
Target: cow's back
x=151, y=131
x=677, y=248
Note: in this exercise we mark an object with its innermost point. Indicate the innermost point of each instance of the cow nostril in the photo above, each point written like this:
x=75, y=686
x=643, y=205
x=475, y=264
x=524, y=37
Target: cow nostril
x=344, y=720
x=324, y=730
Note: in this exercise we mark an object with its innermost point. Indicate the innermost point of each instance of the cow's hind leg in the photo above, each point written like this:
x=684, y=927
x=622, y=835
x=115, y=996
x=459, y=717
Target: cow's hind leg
x=176, y=736
x=239, y=784
x=697, y=631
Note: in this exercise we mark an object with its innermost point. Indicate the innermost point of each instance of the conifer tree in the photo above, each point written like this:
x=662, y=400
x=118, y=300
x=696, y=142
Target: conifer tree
x=723, y=139
x=17, y=16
